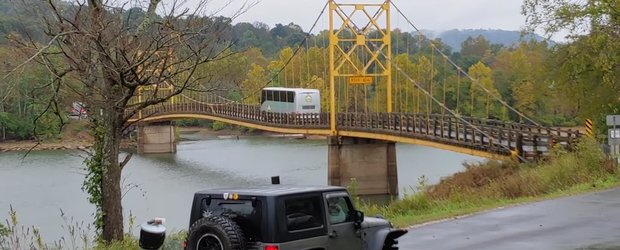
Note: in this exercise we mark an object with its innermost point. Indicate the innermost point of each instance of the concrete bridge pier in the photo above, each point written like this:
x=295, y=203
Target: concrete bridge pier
x=371, y=162
x=157, y=138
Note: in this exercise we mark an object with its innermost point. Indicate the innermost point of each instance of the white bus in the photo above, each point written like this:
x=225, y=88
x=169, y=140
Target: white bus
x=290, y=100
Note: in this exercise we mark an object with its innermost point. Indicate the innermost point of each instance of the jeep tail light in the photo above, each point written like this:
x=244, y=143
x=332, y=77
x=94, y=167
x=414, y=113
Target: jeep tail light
x=271, y=247
x=184, y=244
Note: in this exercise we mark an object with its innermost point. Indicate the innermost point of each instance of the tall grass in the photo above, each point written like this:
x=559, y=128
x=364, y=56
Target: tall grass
x=14, y=236
x=493, y=183
x=79, y=235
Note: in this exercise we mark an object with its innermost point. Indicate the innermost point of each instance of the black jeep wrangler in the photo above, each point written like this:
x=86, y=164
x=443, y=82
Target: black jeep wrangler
x=282, y=217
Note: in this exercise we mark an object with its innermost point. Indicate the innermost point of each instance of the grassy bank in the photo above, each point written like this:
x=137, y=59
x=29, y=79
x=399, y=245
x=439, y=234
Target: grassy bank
x=494, y=184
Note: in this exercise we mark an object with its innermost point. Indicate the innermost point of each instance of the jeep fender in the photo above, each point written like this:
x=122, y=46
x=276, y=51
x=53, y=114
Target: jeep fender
x=378, y=239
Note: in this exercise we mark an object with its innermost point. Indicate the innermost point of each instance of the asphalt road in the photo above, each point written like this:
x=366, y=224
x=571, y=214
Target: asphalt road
x=590, y=221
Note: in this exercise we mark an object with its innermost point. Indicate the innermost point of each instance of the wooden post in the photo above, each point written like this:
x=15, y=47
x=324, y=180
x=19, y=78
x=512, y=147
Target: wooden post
x=450, y=128
x=535, y=147
x=519, y=145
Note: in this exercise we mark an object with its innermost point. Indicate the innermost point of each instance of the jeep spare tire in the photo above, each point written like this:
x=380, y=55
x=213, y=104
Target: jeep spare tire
x=215, y=233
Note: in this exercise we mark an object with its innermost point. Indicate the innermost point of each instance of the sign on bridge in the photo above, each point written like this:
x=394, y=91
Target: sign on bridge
x=360, y=80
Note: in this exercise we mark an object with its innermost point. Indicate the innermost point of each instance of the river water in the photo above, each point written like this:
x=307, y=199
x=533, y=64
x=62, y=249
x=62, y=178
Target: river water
x=42, y=184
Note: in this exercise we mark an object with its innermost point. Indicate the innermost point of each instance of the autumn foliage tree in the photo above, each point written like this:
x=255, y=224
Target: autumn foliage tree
x=481, y=103
x=587, y=66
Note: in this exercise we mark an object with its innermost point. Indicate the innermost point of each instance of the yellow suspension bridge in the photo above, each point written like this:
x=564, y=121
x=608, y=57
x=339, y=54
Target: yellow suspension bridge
x=373, y=95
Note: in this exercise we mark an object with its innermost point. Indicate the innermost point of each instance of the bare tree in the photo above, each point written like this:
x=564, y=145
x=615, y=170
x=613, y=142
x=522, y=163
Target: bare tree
x=105, y=52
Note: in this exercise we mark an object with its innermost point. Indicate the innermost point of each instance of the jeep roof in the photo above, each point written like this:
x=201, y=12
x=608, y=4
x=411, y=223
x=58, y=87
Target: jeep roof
x=271, y=190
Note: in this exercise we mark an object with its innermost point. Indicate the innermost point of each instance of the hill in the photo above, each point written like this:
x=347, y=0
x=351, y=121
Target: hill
x=455, y=37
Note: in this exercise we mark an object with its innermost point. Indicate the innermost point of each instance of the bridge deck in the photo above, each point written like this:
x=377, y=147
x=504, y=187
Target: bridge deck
x=481, y=137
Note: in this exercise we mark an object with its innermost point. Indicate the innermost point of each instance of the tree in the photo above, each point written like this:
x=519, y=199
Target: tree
x=481, y=105
x=587, y=68
x=475, y=47
x=254, y=82
x=404, y=89
x=521, y=76
x=277, y=65
x=22, y=100
x=113, y=59
x=318, y=72
x=525, y=97
x=425, y=74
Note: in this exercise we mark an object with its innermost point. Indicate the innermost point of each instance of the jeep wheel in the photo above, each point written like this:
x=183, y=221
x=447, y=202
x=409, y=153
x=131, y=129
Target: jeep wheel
x=215, y=233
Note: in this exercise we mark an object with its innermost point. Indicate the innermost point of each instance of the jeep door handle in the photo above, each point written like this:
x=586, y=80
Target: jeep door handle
x=333, y=234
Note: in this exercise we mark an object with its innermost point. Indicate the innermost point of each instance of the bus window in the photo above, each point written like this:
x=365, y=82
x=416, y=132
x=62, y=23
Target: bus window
x=290, y=96
x=263, y=96
x=277, y=96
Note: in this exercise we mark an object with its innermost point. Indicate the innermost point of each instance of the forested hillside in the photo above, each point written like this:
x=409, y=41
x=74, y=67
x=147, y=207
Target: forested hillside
x=454, y=38
x=551, y=83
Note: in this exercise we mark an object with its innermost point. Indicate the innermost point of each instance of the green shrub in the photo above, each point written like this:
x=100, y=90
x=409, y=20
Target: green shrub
x=4, y=232
x=566, y=169
x=557, y=120
x=246, y=129
x=187, y=123
x=22, y=128
x=16, y=127
x=126, y=243
x=174, y=240
x=194, y=123
x=217, y=126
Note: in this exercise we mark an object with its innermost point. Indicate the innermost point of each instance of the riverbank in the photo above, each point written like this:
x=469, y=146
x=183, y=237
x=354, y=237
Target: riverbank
x=493, y=185
x=74, y=135
x=34, y=145
x=74, y=138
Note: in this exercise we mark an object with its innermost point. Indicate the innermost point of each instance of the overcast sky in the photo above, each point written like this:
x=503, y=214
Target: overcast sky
x=426, y=14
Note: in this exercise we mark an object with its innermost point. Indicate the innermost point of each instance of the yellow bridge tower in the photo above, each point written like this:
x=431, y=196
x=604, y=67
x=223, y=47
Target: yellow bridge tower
x=354, y=30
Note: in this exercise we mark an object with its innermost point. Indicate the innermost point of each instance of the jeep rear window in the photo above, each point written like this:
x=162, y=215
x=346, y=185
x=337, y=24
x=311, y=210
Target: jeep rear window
x=242, y=212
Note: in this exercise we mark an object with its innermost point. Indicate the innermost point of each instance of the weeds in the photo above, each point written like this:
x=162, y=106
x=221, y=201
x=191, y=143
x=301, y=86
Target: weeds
x=14, y=236
x=352, y=189
x=80, y=236
x=79, y=233
x=4, y=232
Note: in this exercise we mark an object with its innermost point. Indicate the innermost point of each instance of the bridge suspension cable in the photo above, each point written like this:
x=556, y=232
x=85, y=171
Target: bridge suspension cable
x=299, y=47
x=461, y=71
x=456, y=115
x=429, y=95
